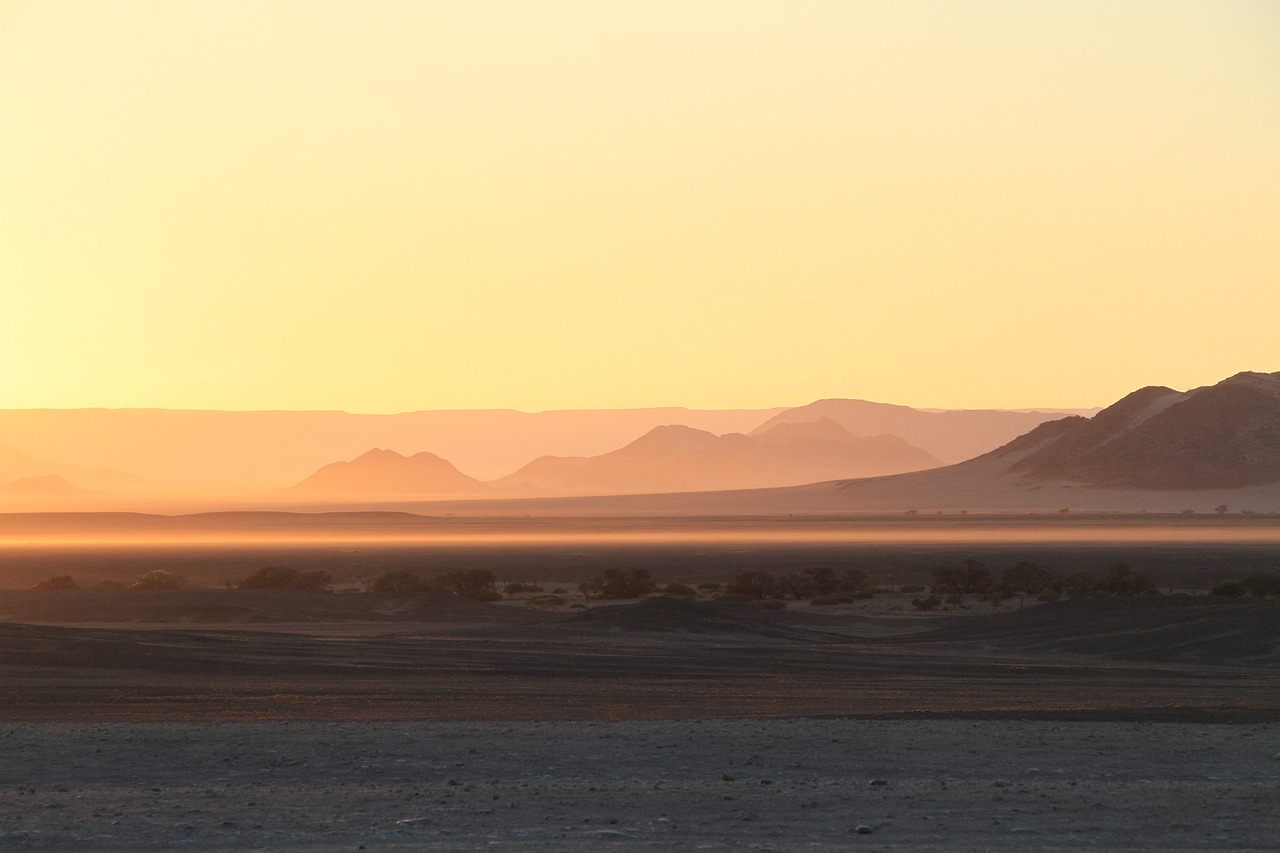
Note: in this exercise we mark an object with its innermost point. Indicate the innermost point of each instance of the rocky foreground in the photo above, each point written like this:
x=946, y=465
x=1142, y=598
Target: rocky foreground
x=820, y=785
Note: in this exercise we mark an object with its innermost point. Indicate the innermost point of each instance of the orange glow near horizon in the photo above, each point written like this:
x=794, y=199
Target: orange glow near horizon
x=395, y=206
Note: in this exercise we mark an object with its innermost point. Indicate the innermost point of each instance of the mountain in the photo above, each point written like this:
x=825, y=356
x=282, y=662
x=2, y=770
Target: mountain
x=385, y=472
x=48, y=485
x=268, y=449
x=18, y=466
x=951, y=436
x=1217, y=437
x=675, y=458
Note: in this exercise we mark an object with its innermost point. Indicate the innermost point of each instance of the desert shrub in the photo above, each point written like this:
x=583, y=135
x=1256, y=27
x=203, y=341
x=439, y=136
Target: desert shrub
x=559, y=591
x=282, y=577
x=1123, y=580
x=1001, y=591
x=971, y=577
x=773, y=604
x=516, y=588
x=58, y=582
x=478, y=584
x=1229, y=588
x=1262, y=585
x=617, y=583
x=1026, y=578
x=397, y=580
x=1049, y=594
x=545, y=601
x=108, y=585
x=753, y=586
x=1079, y=584
x=708, y=587
x=911, y=588
x=160, y=579
x=809, y=582
x=680, y=590
x=930, y=603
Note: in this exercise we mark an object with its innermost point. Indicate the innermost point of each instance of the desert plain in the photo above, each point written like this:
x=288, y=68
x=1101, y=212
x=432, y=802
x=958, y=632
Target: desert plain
x=231, y=719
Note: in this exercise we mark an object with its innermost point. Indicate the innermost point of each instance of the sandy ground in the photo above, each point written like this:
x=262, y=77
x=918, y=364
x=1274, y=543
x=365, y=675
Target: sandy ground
x=793, y=784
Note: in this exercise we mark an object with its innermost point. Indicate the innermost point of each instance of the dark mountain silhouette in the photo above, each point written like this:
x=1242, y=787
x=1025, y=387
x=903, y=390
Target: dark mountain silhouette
x=1216, y=437
x=385, y=472
x=951, y=436
x=679, y=458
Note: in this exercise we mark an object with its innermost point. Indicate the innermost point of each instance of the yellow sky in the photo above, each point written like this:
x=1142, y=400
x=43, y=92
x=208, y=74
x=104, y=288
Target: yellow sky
x=386, y=206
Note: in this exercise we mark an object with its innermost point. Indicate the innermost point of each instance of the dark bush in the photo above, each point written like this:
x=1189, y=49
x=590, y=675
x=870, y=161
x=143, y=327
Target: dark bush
x=478, y=584
x=58, y=582
x=972, y=577
x=679, y=590
x=398, y=580
x=1262, y=585
x=282, y=577
x=616, y=583
x=1229, y=588
x=160, y=579
x=930, y=603
x=516, y=588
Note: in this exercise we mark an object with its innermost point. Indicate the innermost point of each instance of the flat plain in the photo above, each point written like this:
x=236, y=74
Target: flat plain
x=230, y=719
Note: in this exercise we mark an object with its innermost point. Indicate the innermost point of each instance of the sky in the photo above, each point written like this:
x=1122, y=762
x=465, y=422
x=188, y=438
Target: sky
x=393, y=206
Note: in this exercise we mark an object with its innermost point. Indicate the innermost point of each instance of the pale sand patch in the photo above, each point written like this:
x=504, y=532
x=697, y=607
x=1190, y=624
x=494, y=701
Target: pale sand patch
x=689, y=785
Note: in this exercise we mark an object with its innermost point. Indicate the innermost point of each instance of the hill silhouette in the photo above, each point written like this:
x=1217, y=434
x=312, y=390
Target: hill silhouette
x=951, y=436
x=385, y=472
x=1220, y=436
x=49, y=484
x=677, y=458
x=35, y=475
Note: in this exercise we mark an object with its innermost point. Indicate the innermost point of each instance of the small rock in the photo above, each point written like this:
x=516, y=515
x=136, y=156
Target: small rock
x=1000, y=783
x=415, y=821
x=609, y=833
x=15, y=835
x=877, y=782
x=727, y=778
x=864, y=829
x=184, y=826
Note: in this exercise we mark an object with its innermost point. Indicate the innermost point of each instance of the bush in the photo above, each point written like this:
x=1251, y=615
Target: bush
x=930, y=603
x=911, y=588
x=1262, y=585
x=160, y=579
x=972, y=577
x=773, y=604
x=516, y=588
x=58, y=582
x=282, y=577
x=753, y=586
x=1229, y=588
x=616, y=583
x=397, y=580
x=478, y=584
x=679, y=590
x=108, y=585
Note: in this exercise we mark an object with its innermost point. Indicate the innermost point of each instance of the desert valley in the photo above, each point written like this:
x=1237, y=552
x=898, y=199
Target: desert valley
x=418, y=659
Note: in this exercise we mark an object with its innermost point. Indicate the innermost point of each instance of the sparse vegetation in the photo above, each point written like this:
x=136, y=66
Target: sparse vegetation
x=282, y=577
x=516, y=588
x=1258, y=585
x=816, y=584
x=160, y=579
x=616, y=583
x=478, y=584
x=679, y=590
x=58, y=582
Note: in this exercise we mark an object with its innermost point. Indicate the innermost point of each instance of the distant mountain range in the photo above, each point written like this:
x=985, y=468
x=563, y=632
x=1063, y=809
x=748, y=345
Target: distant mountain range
x=241, y=452
x=28, y=475
x=951, y=436
x=678, y=458
x=385, y=472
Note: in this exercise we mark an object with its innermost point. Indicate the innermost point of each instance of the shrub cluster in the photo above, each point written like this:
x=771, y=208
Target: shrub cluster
x=1027, y=578
x=282, y=577
x=616, y=583
x=1258, y=584
x=818, y=584
x=478, y=584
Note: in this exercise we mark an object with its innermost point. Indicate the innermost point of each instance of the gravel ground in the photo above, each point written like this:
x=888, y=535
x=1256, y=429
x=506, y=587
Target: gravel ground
x=779, y=784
